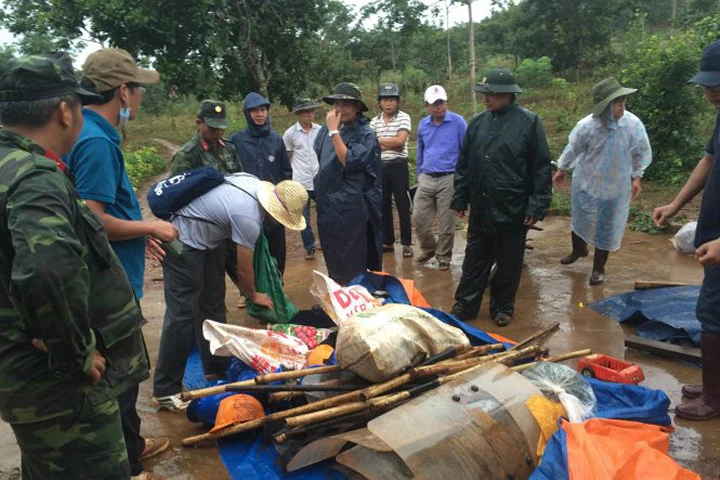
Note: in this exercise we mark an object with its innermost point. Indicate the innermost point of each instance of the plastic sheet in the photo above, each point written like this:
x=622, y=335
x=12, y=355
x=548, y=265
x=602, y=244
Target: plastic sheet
x=669, y=313
x=476, y=426
x=561, y=383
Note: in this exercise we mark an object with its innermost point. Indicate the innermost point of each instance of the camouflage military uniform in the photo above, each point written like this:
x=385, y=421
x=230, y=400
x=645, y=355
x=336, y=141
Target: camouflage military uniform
x=197, y=153
x=61, y=282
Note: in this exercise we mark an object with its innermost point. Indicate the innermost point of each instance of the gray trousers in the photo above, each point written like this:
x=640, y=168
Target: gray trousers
x=433, y=197
x=194, y=291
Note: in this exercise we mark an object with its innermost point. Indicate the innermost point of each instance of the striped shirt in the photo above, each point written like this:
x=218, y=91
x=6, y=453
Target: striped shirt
x=401, y=121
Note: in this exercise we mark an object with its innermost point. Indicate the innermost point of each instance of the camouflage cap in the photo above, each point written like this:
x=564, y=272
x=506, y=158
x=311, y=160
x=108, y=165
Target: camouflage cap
x=37, y=77
x=111, y=67
x=213, y=113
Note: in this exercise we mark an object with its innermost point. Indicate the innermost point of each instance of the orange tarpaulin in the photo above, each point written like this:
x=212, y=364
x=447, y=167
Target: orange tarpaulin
x=604, y=449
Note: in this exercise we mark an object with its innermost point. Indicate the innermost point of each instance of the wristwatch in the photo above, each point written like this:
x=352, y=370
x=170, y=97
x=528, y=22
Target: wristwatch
x=333, y=132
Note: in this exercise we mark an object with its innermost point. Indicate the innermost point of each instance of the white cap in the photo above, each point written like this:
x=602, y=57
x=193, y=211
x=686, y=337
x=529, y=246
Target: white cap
x=435, y=93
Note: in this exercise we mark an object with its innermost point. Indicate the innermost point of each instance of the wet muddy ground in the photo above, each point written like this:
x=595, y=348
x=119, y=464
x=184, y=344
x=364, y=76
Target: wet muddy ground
x=548, y=292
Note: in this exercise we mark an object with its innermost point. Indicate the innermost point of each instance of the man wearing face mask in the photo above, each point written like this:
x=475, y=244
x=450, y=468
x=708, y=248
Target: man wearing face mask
x=262, y=153
x=98, y=165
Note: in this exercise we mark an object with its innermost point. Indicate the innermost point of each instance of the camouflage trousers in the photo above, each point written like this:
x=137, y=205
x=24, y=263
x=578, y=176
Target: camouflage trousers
x=87, y=444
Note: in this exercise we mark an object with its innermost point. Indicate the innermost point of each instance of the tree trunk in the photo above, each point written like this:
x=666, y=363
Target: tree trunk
x=447, y=29
x=257, y=70
x=472, y=58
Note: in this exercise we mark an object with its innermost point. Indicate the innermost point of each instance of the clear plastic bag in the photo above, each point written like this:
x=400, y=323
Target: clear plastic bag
x=558, y=382
x=684, y=239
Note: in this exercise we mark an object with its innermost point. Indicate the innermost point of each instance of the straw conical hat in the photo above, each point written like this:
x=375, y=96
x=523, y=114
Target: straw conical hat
x=284, y=202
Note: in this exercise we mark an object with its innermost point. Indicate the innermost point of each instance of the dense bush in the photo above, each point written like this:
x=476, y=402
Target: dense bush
x=666, y=104
x=142, y=164
x=535, y=73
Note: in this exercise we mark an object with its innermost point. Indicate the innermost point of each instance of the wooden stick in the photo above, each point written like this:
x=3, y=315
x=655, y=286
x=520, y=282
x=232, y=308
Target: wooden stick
x=650, y=284
x=537, y=336
x=555, y=359
x=284, y=396
x=293, y=388
x=261, y=379
x=273, y=377
x=480, y=350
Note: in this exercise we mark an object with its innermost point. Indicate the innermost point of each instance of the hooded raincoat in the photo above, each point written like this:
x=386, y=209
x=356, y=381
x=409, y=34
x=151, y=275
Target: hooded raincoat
x=262, y=153
x=349, y=201
x=606, y=156
x=261, y=150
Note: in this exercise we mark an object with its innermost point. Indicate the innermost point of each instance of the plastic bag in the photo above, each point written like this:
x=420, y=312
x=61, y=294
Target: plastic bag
x=310, y=335
x=269, y=281
x=383, y=342
x=558, y=382
x=341, y=303
x=684, y=239
x=262, y=350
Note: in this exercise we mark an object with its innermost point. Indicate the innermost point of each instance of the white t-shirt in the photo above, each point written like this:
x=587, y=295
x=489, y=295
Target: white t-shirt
x=399, y=122
x=304, y=161
x=226, y=211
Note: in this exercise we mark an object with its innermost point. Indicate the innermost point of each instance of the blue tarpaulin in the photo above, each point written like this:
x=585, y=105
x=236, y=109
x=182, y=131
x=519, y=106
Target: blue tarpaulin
x=614, y=400
x=666, y=314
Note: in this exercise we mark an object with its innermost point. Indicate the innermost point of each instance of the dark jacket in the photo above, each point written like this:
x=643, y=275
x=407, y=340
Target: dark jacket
x=261, y=151
x=348, y=199
x=503, y=172
x=61, y=282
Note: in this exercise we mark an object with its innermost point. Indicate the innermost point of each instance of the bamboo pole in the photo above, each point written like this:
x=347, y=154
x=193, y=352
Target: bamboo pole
x=480, y=350
x=261, y=379
x=536, y=336
x=555, y=359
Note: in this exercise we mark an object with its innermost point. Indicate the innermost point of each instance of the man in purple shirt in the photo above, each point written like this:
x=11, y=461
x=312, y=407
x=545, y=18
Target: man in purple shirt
x=439, y=138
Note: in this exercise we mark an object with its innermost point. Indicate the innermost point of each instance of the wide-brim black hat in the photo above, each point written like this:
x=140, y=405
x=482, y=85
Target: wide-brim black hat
x=347, y=91
x=498, y=80
x=305, y=104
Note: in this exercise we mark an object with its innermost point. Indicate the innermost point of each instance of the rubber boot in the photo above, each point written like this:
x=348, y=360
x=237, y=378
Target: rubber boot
x=707, y=404
x=579, y=250
x=598, y=274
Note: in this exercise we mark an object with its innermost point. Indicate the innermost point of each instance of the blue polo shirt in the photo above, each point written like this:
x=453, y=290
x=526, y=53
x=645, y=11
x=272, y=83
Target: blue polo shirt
x=438, y=146
x=98, y=165
x=708, y=227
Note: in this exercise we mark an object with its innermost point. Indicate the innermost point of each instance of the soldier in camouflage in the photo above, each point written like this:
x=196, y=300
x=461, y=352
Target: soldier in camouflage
x=71, y=339
x=207, y=147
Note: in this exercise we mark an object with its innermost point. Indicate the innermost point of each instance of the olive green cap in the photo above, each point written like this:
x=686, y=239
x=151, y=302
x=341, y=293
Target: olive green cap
x=213, y=113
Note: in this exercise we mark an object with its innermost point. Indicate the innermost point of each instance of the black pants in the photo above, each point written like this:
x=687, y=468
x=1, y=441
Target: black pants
x=194, y=291
x=275, y=234
x=396, y=183
x=506, y=248
x=134, y=442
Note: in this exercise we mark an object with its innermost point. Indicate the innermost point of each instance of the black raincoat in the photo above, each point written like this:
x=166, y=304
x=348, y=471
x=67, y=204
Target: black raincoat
x=349, y=201
x=503, y=172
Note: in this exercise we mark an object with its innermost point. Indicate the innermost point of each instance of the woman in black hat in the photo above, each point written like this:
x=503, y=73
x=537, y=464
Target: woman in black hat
x=348, y=187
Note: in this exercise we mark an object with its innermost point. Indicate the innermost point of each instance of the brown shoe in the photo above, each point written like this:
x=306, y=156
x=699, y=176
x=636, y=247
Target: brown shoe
x=154, y=446
x=707, y=405
x=692, y=391
x=573, y=257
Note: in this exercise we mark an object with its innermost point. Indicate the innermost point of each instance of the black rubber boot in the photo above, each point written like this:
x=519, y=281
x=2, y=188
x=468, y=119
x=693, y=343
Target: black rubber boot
x=707, y=404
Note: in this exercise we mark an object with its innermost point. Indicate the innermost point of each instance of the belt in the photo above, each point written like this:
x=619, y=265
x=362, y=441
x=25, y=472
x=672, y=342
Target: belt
x=439, y=174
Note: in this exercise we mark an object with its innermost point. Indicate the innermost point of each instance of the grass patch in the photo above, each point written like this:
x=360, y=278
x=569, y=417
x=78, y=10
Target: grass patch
x=143, y=164
x=561, y=204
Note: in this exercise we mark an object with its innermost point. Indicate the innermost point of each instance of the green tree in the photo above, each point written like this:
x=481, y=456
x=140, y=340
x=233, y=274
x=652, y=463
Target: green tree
x=228, y=46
